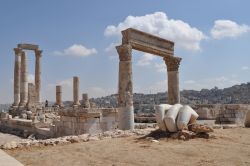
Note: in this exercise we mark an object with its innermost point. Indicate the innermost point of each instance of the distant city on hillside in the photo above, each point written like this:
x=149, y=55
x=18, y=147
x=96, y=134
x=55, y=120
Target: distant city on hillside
x=237, y=94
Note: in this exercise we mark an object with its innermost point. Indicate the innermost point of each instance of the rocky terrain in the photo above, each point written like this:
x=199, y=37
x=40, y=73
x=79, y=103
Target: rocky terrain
x=226, y=147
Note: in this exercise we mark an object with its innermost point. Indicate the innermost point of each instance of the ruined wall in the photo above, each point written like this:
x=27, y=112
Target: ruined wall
x=73, y=121
x=23, y=127
x=207, y=111
x=82, y=120
x=224, y=113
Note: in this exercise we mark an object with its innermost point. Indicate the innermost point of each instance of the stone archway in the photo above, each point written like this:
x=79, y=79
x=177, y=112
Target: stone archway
x=141, y=41
x=21, y=85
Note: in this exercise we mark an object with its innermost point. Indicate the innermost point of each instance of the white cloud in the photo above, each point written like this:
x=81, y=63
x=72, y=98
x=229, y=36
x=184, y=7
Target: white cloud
x=146, y=60
x=76, y=50
x=228, y=28
x=161, y=68
x=111, y=50
x=111, y=47
x=159, y=24
x=245, y=68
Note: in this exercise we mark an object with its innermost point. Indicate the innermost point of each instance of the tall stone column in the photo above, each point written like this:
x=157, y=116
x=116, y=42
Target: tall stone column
x=76, y=91
x=38, y=54
x=85, y=101
x=59, y=96
x=125, y=88
x=173, y=79
x=24, y=81
x=17, y=71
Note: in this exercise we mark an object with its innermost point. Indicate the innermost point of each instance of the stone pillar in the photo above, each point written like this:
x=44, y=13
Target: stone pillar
x=173, y=79
x=76, y=91
x=17, y=72
x=59, y=96
x=32, y=96
x=125, y=88
x=24, y=81
x=38, y=54
x=85, y=101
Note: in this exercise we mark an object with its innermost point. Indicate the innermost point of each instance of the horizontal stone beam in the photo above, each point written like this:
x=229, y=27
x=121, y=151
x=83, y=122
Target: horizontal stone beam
x=147, y=43
x=28, y=46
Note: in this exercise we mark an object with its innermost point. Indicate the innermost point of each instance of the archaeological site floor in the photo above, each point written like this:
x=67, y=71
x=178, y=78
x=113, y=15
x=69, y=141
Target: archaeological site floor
x=227, y=147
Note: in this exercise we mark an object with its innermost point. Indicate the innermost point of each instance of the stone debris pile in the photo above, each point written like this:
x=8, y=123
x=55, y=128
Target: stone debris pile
x=180, y=121
x=31, y=142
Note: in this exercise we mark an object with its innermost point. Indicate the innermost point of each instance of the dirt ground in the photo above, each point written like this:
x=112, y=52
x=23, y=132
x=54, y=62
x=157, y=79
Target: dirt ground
x=4, y=138
x=229, y=147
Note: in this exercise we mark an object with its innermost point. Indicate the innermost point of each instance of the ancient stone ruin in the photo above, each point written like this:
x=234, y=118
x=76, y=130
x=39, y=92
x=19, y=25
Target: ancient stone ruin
x=27, y=116
x=134, y=39
x=26, y=94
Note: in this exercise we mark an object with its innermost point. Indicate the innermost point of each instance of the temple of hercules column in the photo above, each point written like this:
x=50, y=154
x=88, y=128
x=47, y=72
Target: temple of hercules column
x=25, y=93
x=141, y=41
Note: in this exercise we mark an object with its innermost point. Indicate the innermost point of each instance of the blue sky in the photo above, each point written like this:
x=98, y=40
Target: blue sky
x=78, y=38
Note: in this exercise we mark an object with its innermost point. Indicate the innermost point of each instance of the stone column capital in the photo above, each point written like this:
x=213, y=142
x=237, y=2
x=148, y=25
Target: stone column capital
x=38, y=53
x=172, y=62
x=23, y=53
x=124, y=52
x=17, y=51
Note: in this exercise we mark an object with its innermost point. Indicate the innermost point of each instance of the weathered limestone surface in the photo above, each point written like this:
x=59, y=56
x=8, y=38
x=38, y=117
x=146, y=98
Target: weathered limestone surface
x=247, y=119
x=207, y=111
x=59, y=96
x=173, y=79
x=232, y=114
x=76, y=91
x=32, y=96
x=24, y=81
x=38, y=54
x=126, y=118
x=17, y=71
x=173, y=87
x=135, y=39
x=82, y=120
x=125, y=91
x=147, y=43
x=224, y=113
x=21, y=76
x=28, y=46
x=85, y=101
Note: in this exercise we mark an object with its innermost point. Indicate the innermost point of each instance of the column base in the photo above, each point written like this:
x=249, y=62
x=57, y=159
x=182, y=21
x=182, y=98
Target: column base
x=15, y=105
x=21, y=105
x=126, y=118
x=75, y=106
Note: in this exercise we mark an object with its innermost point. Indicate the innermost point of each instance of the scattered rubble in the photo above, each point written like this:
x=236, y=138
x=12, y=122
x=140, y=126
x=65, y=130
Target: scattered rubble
x=73, y=139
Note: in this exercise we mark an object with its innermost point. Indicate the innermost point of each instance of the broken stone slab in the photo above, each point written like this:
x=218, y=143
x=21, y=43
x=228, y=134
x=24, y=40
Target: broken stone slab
x=186, y=135
x=199, y=128
x=94, y=138
x=9, y=145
